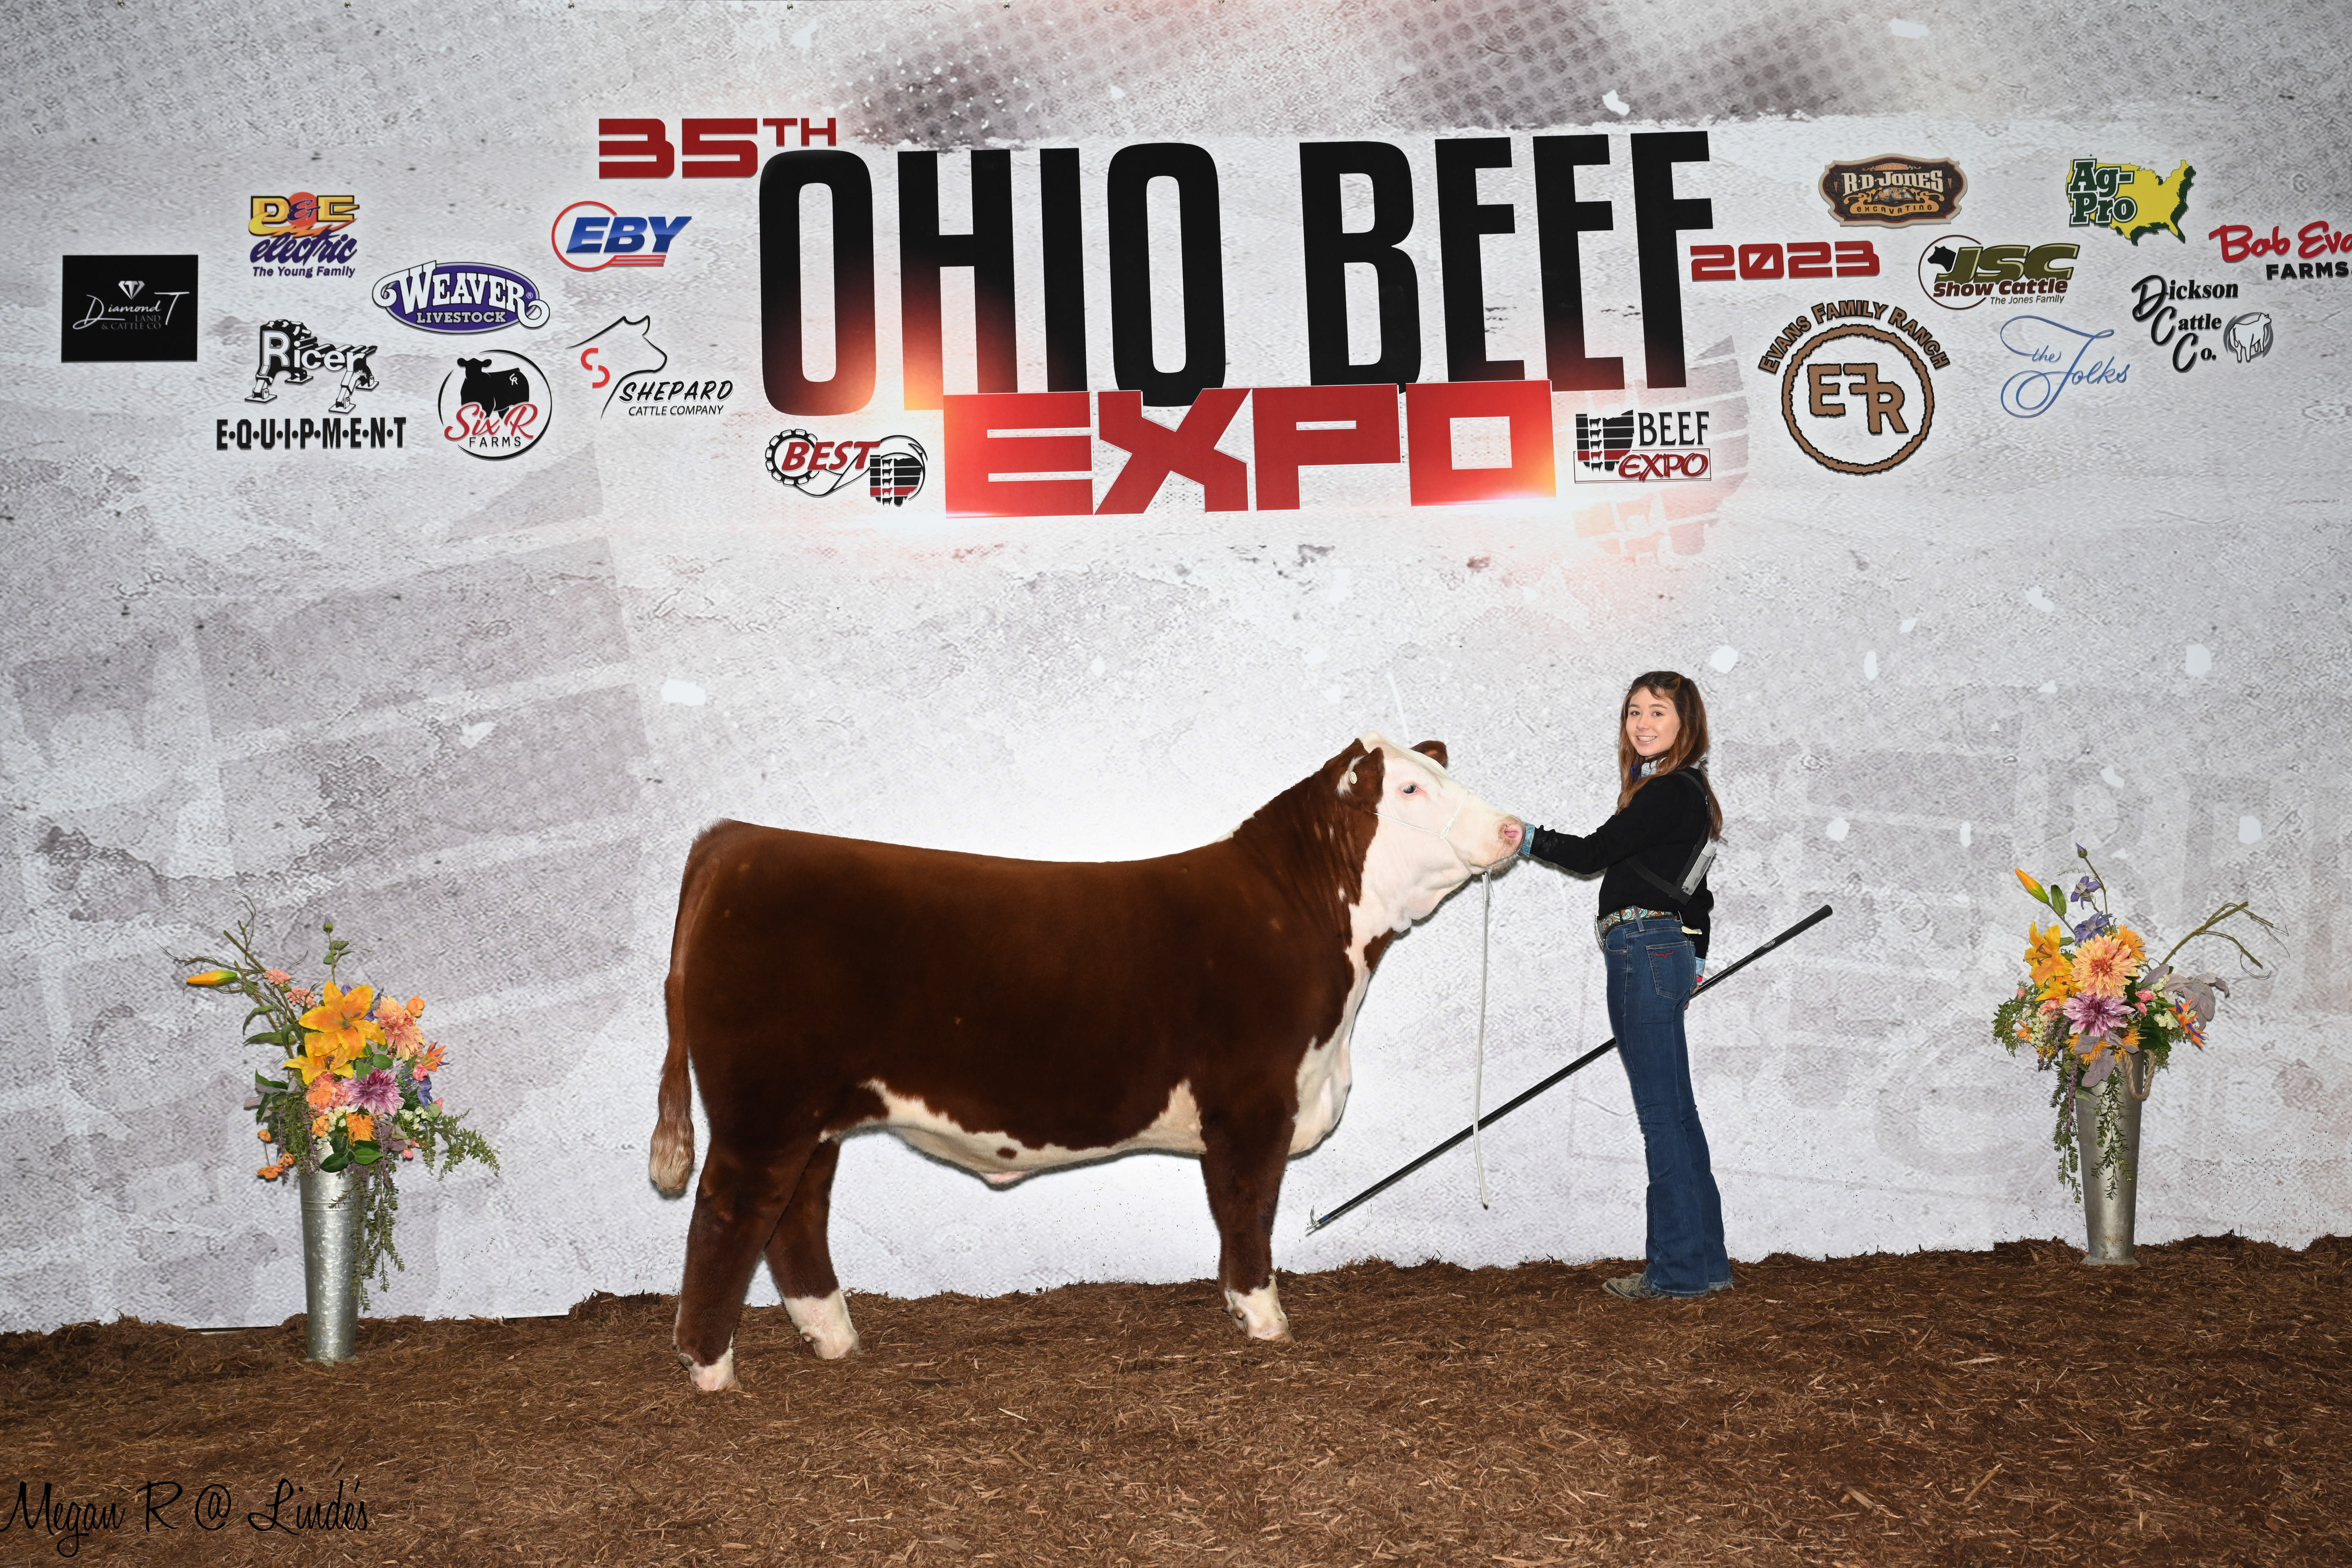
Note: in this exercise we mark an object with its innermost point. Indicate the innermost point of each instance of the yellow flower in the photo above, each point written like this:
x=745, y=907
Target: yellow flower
x=2046, y=958
x=313, y=1061
x=341, y=1023
x=2032, y=886
x=213, y=977
x=2100, y=966
x=2133, y=947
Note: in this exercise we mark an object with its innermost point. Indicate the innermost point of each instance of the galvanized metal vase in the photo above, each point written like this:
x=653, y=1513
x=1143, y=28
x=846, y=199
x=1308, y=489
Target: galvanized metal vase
x=2109, y=1218
x=330, y=1258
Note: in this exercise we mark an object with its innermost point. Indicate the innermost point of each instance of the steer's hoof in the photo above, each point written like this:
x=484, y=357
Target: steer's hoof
x=716, y=1378
x=823, y=1322
x=1259, y=1312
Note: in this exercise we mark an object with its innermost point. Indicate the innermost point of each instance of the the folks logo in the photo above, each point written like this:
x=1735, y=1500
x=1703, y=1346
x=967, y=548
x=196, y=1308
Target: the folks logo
x=2127, y=198
x=625, y=363
x=895, y=467
x=1893, y=190
x=291, y=351
x=1858, y=397
x=1637, y=445
x=2158, y=301
x=460, y=297
x=2056, y=351
x=1959, y=274
x=589, y=237
x=301, y=236
x=497, y=405
x=128, y=308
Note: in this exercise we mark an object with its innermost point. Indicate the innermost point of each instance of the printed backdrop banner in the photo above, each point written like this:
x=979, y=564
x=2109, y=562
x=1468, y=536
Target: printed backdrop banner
x=455, y=455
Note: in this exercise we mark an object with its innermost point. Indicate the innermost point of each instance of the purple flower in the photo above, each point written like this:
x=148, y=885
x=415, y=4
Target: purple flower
x=378, y=1092
x=2095, y=1015
x=424, y=1089
x=2086, y=887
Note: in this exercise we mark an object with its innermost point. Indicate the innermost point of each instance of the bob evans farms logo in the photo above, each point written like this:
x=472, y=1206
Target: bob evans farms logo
x=495, y=406
x=1893, y=190
x=302, y=236
x=895, y=467
x=460, y=297
x=2312, y=245
x=1959, y=274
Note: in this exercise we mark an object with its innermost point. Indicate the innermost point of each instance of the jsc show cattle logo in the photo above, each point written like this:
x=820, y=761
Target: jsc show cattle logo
x=1892, y=190
x=1959, y=273
x=895, y=467
x=460, y=297
x=589, y=237
x=2127, y=198
x=1859, y=395
x=495, y=405
x=1639, y=446
x=292, y=351
x=301, y=236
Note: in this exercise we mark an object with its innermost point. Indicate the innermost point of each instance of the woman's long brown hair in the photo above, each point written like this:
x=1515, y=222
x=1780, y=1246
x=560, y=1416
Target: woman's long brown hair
x=1690, y=747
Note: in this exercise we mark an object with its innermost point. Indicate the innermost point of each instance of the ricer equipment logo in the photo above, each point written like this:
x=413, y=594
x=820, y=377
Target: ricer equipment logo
x=2125, y=197
x=895, y=467
x=1893, y=190
x=1638, y=445
x=291, y=351
x=495, y=405
x=1959, y=273
x=460, y=297
x=589, y=237
x=301, y=236
x=119, y=307
x=1857, y=397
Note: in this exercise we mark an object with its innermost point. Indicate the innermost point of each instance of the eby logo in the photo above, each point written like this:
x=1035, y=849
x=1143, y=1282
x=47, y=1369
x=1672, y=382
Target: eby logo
x=589, y=237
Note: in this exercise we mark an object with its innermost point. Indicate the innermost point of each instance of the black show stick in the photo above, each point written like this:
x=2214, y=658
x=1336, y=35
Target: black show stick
x=1316, y=1222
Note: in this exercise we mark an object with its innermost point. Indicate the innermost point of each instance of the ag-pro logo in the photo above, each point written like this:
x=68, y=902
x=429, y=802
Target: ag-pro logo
x=2127, y=198
x=589, y=237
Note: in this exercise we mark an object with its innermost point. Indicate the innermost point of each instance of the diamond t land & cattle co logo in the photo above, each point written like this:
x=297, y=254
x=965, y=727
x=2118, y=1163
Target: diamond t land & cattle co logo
x=2127, y=198
x=495, y=405
x=1638, y=445
x=1893, y=190
x=302, y=236
x=1857, y=397
x=895, y=467
x=291, y=350
x=589, y=237
x=1959, y=274
x=460, y=297
x=119, y=307
x=625, y=363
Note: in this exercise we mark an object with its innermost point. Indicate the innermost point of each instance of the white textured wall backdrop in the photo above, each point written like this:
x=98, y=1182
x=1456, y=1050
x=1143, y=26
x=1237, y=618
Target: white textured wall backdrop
x=477, y=711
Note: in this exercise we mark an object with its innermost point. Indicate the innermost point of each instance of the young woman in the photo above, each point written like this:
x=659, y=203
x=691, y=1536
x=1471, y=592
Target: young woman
x=1653, y=936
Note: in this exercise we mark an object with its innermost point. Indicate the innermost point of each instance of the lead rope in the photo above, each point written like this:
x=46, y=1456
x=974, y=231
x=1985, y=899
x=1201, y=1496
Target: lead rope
x=1478, y=1073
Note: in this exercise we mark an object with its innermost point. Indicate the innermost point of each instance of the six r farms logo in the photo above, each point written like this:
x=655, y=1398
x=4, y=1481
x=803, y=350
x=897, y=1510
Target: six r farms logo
x=495, y=406
x=589, y=237
x=291, y=350
x=1857, y=397
x=128, y=308
x=625, y=363
x=2127, y=198
x=895, y=467
x=1959, y=274
x=1635, y=447
x=1892, y=190
x=302, y=236
x=459, y=296
x=2312, y=245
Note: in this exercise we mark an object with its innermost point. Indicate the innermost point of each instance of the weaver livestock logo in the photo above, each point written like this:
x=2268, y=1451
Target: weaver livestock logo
x=460, y=297
x=1959, y=273
x=1638, y=445
x=301, y=236
x=495, y=406
x=894, y=467
x=2310, y=248
x=625, y=363
x=589, y=237
x=119, y=308
x=1892, y=190
x=290, y=350
x=2190, y=333
x=1857, y=396
x=1801, y=258
x=2125, y=197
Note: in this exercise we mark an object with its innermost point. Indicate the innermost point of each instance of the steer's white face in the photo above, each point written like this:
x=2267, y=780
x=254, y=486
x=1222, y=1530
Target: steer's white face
x=1433, y=836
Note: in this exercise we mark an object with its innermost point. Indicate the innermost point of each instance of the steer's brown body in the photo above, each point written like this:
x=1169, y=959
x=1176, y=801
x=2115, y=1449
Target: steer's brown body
x=1011, y=1015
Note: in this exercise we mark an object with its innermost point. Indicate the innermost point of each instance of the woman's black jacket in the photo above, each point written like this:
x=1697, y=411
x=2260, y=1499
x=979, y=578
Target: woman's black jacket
x=1660, y=827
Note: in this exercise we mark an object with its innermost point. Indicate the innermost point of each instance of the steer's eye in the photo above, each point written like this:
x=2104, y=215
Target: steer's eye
x=1410, y=788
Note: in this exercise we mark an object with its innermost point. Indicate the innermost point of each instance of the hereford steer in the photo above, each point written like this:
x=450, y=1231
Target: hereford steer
x=1012, y=1016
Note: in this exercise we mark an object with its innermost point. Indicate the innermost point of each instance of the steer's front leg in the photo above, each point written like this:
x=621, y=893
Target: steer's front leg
x=1241, y=1161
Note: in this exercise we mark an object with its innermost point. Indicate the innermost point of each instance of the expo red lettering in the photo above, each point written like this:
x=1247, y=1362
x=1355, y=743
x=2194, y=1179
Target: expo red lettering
x=1662, y=466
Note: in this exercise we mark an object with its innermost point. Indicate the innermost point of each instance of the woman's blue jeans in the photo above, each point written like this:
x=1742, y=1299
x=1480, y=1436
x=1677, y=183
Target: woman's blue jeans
x=1651, y=973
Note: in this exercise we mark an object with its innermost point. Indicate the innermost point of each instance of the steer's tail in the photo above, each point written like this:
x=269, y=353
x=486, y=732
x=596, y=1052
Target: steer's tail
x=673, y=1150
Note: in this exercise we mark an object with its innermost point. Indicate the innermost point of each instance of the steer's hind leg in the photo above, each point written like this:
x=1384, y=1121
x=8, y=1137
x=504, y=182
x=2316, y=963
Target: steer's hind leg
x=802, y=1263
x=1242, y=1163
x=736, y=1209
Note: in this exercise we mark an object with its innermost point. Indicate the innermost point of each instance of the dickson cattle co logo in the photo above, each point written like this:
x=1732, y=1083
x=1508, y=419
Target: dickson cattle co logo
x=291, y=351
x=460, y=297
x=1959, y=274
x=589, y=237
x=1638, y=445
x=302, y=236
x=121, y=308
x=2125, y=197
x=1858, y=397
x=625, y=364
x=895, y=467
x=495, y=406
x=1893, y=190
x=2157, y=301
x=2310, y=246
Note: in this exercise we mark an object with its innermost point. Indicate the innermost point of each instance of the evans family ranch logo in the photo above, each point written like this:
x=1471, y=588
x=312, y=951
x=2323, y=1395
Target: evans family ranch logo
x=495, y=406
x=460, y=297
x=1858, y=397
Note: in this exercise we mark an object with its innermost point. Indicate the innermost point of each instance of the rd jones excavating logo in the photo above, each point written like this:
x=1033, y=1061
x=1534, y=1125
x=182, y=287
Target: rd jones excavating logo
x=895, y=467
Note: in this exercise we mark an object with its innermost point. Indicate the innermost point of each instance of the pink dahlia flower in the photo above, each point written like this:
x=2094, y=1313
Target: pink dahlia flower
x=378, y=1092
x=2093, y=1013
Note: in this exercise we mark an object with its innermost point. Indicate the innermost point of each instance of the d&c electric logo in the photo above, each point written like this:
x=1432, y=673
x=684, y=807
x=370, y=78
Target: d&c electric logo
x=119, y=307
x=460, y=297
x=625, y=363
x=2125, y=197
x=1959, y=273
x=1892, y=190
x=302, y=235
x=291, y=351
x=1638, y=445
x=495, y=406
x=1858, y=397
x=589, y=237
x=2310, y=245
x=895, y=467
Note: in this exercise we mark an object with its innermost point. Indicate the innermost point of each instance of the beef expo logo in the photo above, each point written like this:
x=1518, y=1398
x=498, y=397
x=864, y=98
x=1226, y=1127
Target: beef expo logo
x=301, y=236
x=625, y=363
x=460, y=297
x=1960, y=273
x=1893, y=190
x=1638, y=445
x=895, y=467
x=495, y=406
x=2311, y=247
x=1857, y=397
x=291, y=351
x=119, y=308
x=589, y=237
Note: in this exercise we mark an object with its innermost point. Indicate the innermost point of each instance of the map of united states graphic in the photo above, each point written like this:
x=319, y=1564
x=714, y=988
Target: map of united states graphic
x=2159, y=199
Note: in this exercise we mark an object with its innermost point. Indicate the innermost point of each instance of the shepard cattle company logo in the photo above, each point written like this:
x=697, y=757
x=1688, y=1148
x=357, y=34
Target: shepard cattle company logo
x=895, y=467
x=292, y=351
x=2125, y=197
x=1638, y=445
x=119, y=307
x=495, y=405
x=1959, y=274
x=301, y=236
x=589, y=237
x=625, y=363
x=1893, y=190
x=460, y=297
x=1858, y=395
x=2189, y=334
x=2314, y=250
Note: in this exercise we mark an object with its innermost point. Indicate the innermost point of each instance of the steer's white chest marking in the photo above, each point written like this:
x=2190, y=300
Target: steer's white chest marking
x=1327, y=1071
x=1004, y=1159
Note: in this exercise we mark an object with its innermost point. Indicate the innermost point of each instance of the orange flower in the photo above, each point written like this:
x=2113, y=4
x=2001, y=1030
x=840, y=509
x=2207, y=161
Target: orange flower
x=2047, y=959
x=213, y=977
x=2099, y=967
x=329, y=1091
x=430, y=1062
x=400, y=1025
x=262, y=1133
x=2031, y=885
x=318, y=1125
x=341, y=1023
x=2134, y=946
x=360, y=1125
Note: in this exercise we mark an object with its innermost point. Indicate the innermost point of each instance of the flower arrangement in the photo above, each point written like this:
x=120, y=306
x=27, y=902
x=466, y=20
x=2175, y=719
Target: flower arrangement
x=2092, y=1004
x=357, y=1090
